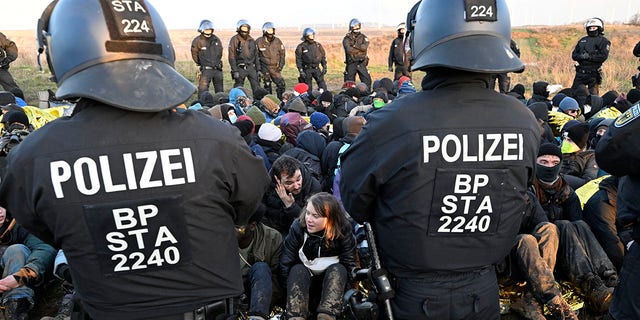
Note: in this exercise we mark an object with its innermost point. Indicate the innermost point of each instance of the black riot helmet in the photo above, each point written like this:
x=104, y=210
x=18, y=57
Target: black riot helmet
x=308, y=32
x=116, y=53
x=206, y=25
x=465, y=35
x=268, y=29
x=355, y=25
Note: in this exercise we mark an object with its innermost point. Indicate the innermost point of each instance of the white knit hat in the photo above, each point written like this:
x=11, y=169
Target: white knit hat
x=269, y=132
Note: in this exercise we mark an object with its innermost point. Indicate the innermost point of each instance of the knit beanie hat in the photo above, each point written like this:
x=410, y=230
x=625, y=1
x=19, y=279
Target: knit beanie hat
x=548, y=148
x=401, y=80
x=579, y=134
x=206, y=99
x=633, y=95
x=318, y=120
x=301, y=88
x=557, y=99
x=540, y=110
x=326, y=96
x=220, y=98
x=269, y=132
x=256, y=115
x=568, y=103
x=352, y=92
x=297, y=105
x=348, y=84
x=270, y=102
x=519, y=89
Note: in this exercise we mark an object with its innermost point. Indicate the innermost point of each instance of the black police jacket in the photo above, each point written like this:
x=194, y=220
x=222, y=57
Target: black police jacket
x=143, y=203
x=597, y=49
x=442, y=174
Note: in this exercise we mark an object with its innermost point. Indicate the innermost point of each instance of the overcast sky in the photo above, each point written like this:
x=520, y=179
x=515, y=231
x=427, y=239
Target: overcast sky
x=186, y=14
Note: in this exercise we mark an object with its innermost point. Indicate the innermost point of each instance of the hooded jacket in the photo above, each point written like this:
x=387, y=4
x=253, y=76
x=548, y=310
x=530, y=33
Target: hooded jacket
x=343, y=247
x=279, y=217
x=540, y=94
x=579, y=168
x=309, y=150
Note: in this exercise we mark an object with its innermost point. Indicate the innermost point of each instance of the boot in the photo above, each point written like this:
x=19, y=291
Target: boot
x=560, y=309
x=64, y=312
x=598, y=296
x=324, y=316
x=528, y=308
x=17, y=309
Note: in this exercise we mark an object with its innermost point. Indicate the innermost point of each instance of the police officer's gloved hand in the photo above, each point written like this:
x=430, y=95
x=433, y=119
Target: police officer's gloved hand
x=302, y=74
x=260, y=74
x=584, y=56
x=235, y=75
x=390, y=69
x=324, y=70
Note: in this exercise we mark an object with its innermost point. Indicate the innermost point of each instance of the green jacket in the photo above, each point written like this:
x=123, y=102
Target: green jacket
x=265, y=247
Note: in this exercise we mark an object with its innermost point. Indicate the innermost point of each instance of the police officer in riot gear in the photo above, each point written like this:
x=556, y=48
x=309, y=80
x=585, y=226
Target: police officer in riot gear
x=243, y=57
x=271, y=52
x=396, y=54
x=445, y=191
x=355, y=45
x=206, y=51
x=589, y=54
x=135, y=193
x=635, y=79
x=311, y=60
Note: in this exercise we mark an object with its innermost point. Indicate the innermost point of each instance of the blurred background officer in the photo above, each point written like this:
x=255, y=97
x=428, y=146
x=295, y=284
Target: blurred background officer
x=271, y=52
x=503, y=79
x=356, y=45
x=445, y=214
x=206, y=51
x=396, y=54
x=135, y=205
x=243, y=57
x=589, y=54
x=618, y=153
x=311, y=60
x=8, y=53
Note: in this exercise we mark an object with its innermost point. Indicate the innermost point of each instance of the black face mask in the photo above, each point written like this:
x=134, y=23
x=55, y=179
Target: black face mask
x=546, y=174
x=594, y=33
x=400, y=34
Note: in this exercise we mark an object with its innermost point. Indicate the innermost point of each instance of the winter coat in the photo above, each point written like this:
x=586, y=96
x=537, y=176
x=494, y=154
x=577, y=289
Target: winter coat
x=579, y=168
x=343, y=247
x=559, y=201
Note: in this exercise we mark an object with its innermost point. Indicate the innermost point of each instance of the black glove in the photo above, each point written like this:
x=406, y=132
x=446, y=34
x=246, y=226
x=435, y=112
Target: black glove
x=584, y=56
x=302, y=74
x=390, y=68
x=324, y=70
x=235, y=75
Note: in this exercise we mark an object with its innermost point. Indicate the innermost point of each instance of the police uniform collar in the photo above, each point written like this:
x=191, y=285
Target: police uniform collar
x=443, y=77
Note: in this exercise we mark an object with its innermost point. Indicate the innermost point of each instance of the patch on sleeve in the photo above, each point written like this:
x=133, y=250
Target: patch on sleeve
x=628, y=116
x=140, y=235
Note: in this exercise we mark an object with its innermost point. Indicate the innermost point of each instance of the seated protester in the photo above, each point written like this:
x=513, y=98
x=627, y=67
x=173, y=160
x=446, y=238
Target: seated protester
x=286, y=97
x=270, y=139
x=257, y=117
x=387, y=84
x=291, y=184
x=317, y=258
x=578, y=164
x=258, y=95
x=291, y=124
x=580, y=93
x=592, y=105
x=260, y=249
x=309, y=150
x=320, y=124
x=246, y=127
x=228, y=112
x=541, y=113
x=364, y=89
x=540, y=93
x=581, y=259
x=600, y=214
x=518, y=92
x=323, y=104
x=270, y=106
x=238, y=98
x=597, y=130
x=406, y=88
x=296, y=105
x=533, y=259
x=351, y=126
x=25, y=261
x=570, y=107
x=345, y=101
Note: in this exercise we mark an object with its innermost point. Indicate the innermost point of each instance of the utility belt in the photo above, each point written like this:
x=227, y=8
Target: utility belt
x=581, y=69
x=211, y=68
x=213, y=310
x=245, y=65
x=310, y=66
